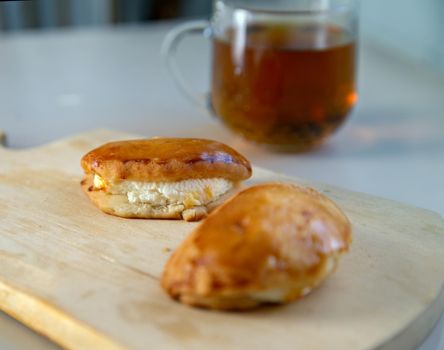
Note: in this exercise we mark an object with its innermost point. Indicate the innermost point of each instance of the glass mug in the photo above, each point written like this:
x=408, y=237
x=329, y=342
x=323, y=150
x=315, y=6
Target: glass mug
x=283, y=72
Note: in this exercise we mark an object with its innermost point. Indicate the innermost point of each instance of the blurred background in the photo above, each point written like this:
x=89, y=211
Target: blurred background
x=413, y=27
x=18, y=15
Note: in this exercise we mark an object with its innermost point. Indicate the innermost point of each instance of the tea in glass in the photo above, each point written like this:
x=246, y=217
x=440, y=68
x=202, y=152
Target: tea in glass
x=289, y=85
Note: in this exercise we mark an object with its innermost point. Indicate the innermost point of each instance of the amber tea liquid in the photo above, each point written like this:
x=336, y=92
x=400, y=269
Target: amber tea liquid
x=289, y=85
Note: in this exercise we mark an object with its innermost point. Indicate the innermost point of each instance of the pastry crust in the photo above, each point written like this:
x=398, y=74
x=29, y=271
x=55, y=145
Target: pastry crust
x=270, y=243
x=166, y=159
x=162, y=162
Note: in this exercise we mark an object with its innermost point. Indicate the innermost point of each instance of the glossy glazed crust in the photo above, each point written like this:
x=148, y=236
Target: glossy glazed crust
x=166, y=159
x=118, y=205
x=269, y=243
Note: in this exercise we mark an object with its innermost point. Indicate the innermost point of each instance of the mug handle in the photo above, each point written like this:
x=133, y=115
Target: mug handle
x=168, y=52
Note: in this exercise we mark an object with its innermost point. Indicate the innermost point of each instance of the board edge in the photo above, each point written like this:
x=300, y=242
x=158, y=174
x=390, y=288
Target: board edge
x=52, y=322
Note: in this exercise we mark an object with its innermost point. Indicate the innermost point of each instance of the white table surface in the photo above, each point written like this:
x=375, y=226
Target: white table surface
x=54, y=84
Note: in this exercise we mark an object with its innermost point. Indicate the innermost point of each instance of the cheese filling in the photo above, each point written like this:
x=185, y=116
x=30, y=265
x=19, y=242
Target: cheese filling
x=190, y=193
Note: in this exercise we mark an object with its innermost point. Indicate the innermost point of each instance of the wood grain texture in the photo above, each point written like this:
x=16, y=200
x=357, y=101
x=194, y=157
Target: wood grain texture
x=89, y=280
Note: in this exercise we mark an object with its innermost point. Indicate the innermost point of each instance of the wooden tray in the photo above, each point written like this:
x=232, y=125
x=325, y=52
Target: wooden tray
x=90, y=281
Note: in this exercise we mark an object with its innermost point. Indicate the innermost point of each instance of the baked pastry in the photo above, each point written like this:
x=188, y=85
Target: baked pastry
x=162, y=178
x=270, y=243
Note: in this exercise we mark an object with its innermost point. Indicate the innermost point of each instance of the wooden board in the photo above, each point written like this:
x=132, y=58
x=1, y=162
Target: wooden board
x=90, y=281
